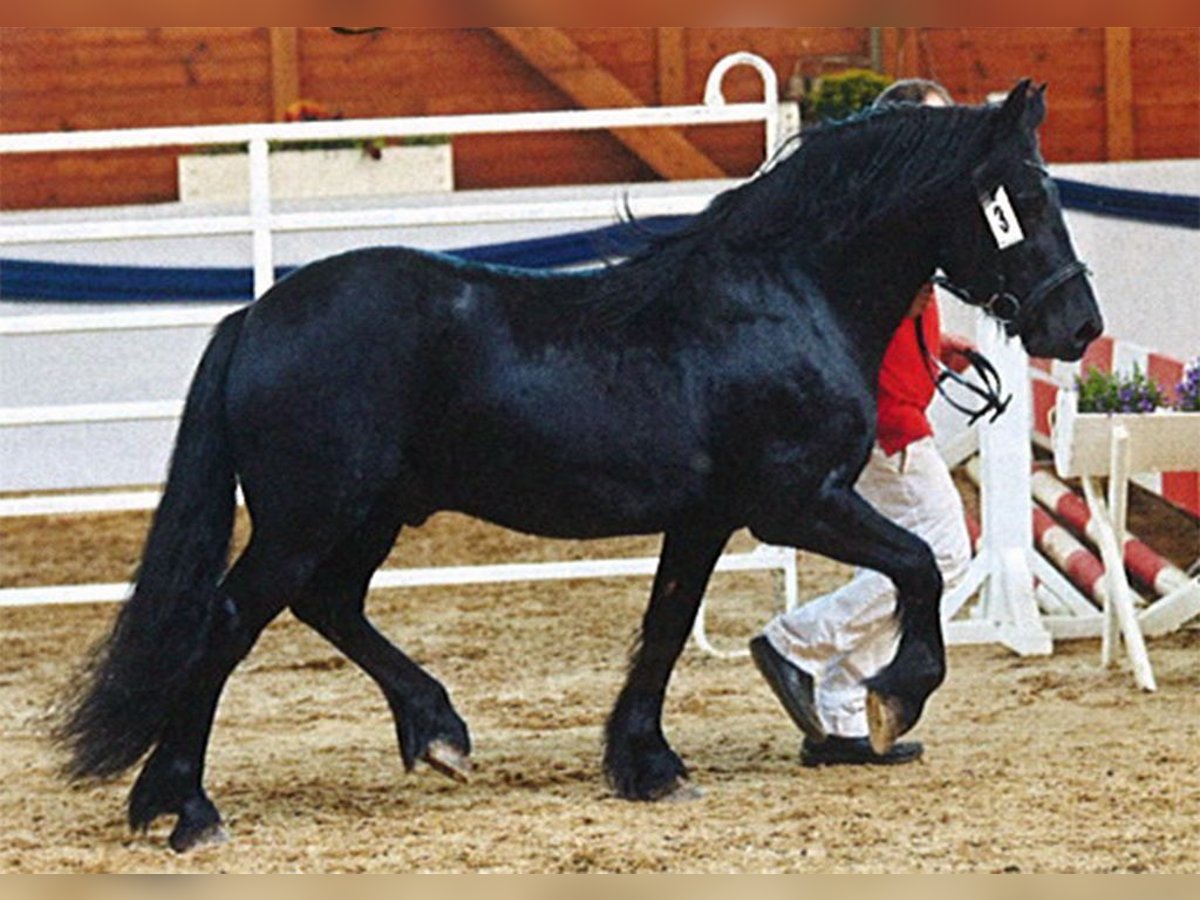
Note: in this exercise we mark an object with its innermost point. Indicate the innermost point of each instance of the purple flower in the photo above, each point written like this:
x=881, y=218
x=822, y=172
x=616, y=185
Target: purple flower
x=1187, y=392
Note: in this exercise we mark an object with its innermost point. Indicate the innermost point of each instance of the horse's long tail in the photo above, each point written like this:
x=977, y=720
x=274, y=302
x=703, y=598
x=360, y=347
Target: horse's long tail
x=134, y=677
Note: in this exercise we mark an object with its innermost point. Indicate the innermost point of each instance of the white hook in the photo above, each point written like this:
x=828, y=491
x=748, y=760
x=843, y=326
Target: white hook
x=786, y=115
x=712, y=89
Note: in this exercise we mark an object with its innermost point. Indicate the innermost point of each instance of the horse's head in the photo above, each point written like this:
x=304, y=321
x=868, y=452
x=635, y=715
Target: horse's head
x=1013, y=256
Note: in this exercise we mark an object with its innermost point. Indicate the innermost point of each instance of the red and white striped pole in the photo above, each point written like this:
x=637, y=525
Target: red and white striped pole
x=1079, y=564
x=1141, y=561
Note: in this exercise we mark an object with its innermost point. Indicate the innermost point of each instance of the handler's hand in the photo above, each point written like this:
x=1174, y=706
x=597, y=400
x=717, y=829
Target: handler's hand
x=952, y=354
x=924, y=295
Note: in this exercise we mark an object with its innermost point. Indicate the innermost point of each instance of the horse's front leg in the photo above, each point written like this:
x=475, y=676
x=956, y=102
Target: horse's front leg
x=638, y=761
x=843, y=526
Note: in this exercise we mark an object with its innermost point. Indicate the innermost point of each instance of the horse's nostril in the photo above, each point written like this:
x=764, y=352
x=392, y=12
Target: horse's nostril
x=1089, y=330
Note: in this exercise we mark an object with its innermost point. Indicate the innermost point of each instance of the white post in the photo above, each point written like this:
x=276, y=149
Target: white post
x=1120, y=618
x=260, y=215
x=791, y=581
x=1007, y=519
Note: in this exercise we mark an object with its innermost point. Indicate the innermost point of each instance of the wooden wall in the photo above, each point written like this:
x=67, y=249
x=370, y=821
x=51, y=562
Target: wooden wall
x=1155, y=70
x=1115, y=93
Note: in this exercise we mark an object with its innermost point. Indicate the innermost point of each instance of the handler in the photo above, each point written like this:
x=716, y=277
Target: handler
x=816, y=657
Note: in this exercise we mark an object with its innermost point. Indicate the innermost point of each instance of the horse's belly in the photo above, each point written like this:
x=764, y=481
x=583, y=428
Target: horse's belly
x=568, y=484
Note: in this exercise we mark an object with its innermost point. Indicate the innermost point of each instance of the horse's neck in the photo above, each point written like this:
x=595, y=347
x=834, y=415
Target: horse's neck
x=872, y=268
x=873, y=287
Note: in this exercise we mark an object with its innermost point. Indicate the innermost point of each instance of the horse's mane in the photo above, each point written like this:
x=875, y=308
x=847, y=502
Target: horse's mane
x=840, y=181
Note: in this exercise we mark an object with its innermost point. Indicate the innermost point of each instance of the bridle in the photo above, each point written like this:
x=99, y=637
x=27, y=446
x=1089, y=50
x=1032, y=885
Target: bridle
x=1006, y=306
x=1008, y=309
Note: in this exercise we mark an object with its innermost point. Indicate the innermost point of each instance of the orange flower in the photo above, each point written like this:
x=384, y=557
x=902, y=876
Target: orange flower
x=308, y=111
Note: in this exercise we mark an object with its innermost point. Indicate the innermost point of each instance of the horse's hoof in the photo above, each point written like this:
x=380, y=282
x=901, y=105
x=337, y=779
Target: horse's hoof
x=447, y=759
x=884, y=721
x=184, y=839
x=678, y=791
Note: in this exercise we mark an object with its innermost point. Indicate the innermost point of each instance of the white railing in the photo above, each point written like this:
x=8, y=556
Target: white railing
x=262, y=222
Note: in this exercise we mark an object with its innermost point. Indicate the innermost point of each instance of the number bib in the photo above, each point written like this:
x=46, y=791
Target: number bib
x=1002, y=219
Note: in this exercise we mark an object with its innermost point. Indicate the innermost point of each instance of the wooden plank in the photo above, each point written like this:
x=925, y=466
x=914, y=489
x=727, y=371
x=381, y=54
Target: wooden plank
x=577, y=75
x=1073, y=131
x=971, y=62
x=672, y=65
x=548, y=159
x=144, y=108
x=1168, y=132
x=285, y=69
x=416, y=71
x=1166, y=88
x=631, y=54
x=103, y=79
x=1166, y=66
x=71, y=38
x=618, y=49
x=778, y=44
x=1118, y=93
x=33, y=183
x=320, y=42
x=901, y=52
x=626, y=44
x=890, y=37
x=79, y=78
x=429, y=92
x=51, y=48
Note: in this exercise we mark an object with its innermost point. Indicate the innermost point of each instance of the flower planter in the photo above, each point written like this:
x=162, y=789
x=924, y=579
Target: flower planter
x=1159, y=441
x=206, y=178
x=1119, y=445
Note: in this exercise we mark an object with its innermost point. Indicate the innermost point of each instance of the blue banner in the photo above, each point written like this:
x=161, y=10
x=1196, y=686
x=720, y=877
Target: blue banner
x=30, y=280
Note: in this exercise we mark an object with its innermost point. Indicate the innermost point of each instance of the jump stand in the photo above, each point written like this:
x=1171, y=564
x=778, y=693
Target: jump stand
x=1091, y=445
x=1002, y=571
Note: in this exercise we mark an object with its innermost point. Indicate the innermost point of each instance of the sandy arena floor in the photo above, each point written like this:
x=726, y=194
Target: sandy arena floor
x=1032, y=765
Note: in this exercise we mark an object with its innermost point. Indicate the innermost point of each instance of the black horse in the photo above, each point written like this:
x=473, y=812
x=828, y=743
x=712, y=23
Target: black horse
x=721, y=378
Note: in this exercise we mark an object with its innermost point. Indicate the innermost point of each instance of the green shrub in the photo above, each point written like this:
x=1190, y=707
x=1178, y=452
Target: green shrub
x=843, y=94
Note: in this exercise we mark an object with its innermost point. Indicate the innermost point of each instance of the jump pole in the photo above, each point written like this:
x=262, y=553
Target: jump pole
x=1141, y=561
x=1078, y=564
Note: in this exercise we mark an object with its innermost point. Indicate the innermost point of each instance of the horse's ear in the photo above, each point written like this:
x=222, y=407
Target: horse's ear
x=1024, y=107
x=1035, y=110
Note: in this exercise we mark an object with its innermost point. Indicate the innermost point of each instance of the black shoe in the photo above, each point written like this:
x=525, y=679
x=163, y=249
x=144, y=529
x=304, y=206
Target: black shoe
x=793, y=686
x=842, y=751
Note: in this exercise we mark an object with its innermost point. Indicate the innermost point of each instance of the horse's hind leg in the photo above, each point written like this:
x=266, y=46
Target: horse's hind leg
x=843, y=526
x=638, y=761
x=171, y=781
x=427, y=727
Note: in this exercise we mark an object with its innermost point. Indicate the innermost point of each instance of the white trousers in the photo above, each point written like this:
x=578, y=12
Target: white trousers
x=846, y=636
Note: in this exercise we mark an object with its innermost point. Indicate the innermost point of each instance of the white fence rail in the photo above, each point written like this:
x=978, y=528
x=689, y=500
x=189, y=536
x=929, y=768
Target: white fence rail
x=261, y=222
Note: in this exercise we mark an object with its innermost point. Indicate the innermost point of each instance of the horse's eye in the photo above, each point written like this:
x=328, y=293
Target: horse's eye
x=1032, y=200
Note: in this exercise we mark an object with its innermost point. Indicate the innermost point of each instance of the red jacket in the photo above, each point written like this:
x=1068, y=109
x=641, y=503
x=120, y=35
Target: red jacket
x=905, y=384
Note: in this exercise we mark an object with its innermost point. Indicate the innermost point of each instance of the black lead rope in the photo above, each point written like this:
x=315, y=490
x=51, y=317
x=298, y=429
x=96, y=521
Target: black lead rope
x=989, y=393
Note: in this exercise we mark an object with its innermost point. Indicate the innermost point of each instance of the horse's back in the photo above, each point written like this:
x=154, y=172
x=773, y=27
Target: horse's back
x=453, y=386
